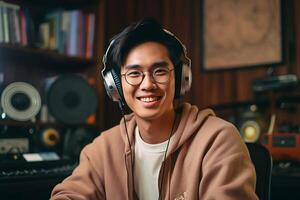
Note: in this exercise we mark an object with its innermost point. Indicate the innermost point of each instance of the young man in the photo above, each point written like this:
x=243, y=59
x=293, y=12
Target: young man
x=160, y=151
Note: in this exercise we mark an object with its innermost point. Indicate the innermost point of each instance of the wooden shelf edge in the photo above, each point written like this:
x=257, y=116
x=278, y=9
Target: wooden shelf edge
x=48, y=57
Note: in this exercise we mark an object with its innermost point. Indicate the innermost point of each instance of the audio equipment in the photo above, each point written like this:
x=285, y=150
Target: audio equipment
x=15, y=139
x=20, y=101
x=48, y=138
x=286, y=127
x=32, y=174
x=112, y=82
x=250, y=131
x=14, y=145
x=31, y=139
x=71, y=100
x=250, y=122
x=76, y=138
x=283, y=146
x=274, y=82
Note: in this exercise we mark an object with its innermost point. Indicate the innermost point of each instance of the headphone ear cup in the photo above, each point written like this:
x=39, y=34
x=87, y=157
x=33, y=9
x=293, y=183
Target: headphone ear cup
x=186, y=79
x=183, y=80
x=118, y=84
x=178, y=72
x=112, y=84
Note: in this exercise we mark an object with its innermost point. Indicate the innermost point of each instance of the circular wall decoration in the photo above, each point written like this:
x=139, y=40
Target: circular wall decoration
x=20, y=101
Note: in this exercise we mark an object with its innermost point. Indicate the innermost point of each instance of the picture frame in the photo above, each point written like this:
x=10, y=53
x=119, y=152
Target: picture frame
x=241, y=34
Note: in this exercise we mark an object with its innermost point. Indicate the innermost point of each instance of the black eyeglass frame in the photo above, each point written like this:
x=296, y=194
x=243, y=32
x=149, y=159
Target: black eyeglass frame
x=152, y=75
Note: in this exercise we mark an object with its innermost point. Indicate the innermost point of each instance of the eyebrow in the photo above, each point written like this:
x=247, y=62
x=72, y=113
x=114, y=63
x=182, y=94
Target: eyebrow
x=154, y=65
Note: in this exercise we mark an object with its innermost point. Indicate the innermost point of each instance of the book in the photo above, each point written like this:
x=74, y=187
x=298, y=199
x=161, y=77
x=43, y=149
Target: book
x=44, y=35
x=73, y=38
x=90, y=35
x=5, y=25
x=1, y=24
x=24, y=40
x=8, y=19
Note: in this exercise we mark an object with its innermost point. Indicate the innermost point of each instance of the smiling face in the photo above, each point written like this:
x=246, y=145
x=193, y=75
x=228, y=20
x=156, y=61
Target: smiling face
x=149, y=100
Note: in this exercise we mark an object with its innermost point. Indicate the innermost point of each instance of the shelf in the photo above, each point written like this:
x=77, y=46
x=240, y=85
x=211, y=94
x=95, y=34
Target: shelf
x=46, y=58
x=294, y=99
x=261, y=102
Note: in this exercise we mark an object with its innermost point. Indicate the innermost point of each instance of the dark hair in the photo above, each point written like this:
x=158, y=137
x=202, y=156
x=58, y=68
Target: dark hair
x=145, y=30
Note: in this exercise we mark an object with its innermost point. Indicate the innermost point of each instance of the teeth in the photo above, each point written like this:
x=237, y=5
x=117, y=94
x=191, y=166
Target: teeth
x=149, y=99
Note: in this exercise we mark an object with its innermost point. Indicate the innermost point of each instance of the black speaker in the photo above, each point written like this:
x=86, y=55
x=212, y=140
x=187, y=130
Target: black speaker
x=77, y=138
x=49, y=138
x=71, y=99
x=251, y=124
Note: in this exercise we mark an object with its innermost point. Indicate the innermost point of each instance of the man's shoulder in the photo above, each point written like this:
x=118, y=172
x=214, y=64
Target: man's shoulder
x=219, y=122
x=217, y=127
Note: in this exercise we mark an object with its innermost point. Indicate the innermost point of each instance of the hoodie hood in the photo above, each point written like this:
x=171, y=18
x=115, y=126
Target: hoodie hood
x=191, y=119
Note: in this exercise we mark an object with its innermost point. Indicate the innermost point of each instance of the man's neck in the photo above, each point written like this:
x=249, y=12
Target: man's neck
x=158, y=130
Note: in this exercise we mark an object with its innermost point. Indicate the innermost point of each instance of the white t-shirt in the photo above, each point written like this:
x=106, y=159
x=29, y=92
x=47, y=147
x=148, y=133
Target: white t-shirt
x=148, y=160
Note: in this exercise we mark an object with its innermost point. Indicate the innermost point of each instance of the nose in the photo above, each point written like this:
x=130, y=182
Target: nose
x=148, y=82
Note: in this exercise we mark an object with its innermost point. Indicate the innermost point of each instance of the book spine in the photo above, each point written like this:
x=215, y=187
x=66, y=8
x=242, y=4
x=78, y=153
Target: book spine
x=17, y=25
x=5, y=25
x=73, y=39
x=24, y=40
x=1, y=24
x=90, y=35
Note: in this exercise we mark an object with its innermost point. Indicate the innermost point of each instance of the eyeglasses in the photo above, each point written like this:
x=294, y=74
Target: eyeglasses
x=135, y=77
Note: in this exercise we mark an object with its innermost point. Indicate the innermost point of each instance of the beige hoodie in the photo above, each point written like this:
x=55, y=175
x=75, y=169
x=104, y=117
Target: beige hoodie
x=207, y=160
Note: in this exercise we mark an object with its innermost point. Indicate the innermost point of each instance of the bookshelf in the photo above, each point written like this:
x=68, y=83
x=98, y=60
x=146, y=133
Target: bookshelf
x=66, y=30
x=44, y=40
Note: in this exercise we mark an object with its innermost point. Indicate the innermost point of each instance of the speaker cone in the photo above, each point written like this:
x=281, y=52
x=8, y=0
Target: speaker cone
x=251, y=124
x=50, y=137
x=250, y=131
x=71, y=99
x=76, y=139
x=20, y=101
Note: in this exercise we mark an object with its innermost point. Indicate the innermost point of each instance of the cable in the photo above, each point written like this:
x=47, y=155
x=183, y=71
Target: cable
x=165, y=155
x=121, y=106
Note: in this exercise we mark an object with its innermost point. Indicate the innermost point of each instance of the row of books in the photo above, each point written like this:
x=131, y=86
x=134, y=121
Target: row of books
x=10, y=23
x=68, y=32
